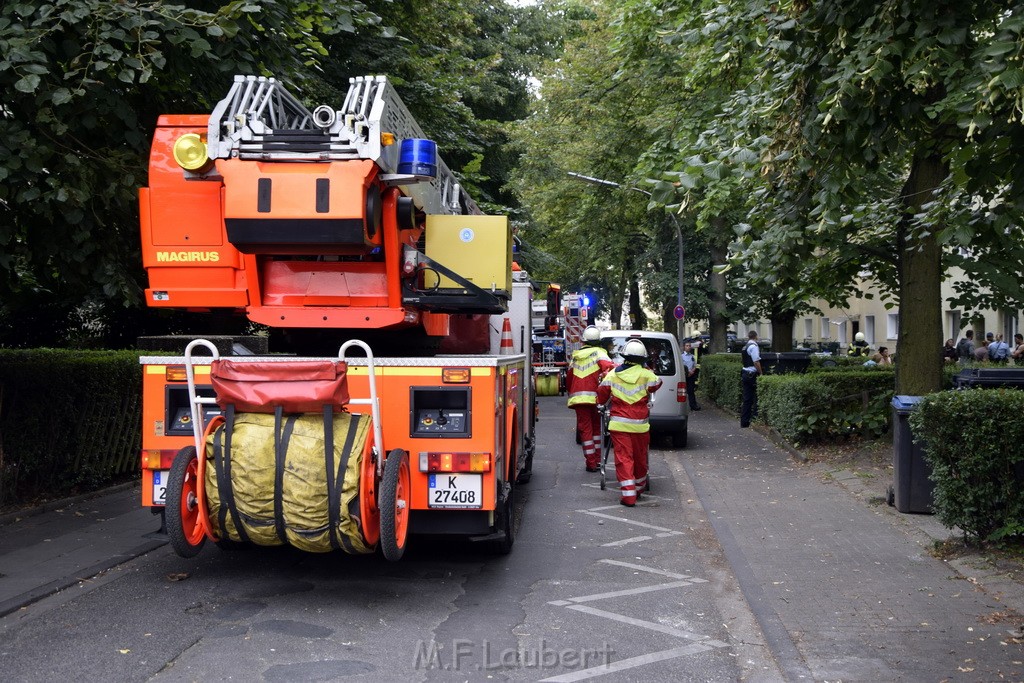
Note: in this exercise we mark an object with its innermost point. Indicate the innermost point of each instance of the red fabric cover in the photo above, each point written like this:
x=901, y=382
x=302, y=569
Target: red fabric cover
x=297, y=386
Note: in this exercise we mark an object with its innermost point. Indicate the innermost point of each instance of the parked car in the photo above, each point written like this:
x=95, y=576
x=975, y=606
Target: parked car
x=670, y=413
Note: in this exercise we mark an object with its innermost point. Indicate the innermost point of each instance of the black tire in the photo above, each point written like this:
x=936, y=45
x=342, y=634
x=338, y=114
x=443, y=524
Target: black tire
x=394, y=505
x=506, y=523
x=679, y=437
x=178, y=484
x=527, y=474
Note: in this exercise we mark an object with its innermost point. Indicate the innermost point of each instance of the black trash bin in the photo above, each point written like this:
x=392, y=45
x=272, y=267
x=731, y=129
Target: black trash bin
x=989, y=378
x=912, y=486
x=781, y=362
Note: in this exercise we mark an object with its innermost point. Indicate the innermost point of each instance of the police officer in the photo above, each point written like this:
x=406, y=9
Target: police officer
x=690, y=363
x=586, y=368
x=751, y=369
x=859, y=347
x=630, y=387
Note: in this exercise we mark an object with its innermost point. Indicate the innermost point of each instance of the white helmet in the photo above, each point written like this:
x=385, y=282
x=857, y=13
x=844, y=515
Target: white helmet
x=591, y=335
x=859, y=336
x=634, y=351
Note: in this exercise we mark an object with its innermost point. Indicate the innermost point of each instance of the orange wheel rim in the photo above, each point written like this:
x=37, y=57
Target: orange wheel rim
x=191, y=520
x=402, y=504
x=204, y=513
x=368, y=506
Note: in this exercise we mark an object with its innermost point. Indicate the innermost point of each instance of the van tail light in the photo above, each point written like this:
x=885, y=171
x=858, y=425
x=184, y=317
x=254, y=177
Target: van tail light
x=681, y=392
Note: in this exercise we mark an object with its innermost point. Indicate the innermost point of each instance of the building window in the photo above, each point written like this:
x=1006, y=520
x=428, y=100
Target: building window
x=953, y=324
x=841, y=333
x=826, y=333
x=808, y=328
x=869, y=329
x=892, y=325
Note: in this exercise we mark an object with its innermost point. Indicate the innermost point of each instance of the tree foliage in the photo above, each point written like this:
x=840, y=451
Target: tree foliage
x=840, y=140
x=84, y=82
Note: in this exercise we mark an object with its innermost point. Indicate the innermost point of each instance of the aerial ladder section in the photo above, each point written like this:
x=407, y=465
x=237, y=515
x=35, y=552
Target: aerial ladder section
x=324, y=218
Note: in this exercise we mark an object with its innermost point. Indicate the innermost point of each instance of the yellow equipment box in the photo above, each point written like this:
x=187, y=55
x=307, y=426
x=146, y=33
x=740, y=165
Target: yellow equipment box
x=479, y=248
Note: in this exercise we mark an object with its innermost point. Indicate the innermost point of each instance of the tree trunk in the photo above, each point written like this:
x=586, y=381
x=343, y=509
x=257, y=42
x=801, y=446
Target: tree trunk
x=717, y=320
x=918, y=361
x=782, y=329
x=636, y=310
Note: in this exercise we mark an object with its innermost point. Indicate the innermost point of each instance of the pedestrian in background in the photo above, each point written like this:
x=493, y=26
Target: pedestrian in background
x=749, y=374
x=999, y=351
x=630, y=388
x=981, y=353
x=965, y=347
x=949, y=352
x=1018, y=348
x=882, y=357
x=690, y=363
x=586, y=368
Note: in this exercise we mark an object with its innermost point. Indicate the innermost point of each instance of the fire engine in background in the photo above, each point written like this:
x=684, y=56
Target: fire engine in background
x=326, y=226
x=558, y=324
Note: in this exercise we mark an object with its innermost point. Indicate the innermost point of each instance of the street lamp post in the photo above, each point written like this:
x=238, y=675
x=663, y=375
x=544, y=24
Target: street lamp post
x=675, y=222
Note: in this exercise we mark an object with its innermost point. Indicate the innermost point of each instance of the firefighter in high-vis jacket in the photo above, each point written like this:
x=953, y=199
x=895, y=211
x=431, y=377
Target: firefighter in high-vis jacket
x=586, y=368
x=630, y=387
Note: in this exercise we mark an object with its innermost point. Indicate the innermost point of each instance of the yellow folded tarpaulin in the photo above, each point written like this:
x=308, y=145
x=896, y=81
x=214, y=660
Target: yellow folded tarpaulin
x=279, y=484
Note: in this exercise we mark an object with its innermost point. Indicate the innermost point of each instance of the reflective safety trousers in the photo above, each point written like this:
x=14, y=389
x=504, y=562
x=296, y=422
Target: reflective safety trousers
x=629, y=387
x=585, y=371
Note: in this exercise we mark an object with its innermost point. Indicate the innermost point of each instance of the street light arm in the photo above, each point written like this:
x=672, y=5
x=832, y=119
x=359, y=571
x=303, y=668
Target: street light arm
x=603, y=183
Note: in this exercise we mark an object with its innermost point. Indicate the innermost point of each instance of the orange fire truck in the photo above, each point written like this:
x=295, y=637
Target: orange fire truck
x=332, y=228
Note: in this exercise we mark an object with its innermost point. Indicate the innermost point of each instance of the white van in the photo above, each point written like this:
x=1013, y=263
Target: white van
x=671, y=411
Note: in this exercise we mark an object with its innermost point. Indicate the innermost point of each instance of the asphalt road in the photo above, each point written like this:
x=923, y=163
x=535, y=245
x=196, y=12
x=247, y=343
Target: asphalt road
x=590, y=590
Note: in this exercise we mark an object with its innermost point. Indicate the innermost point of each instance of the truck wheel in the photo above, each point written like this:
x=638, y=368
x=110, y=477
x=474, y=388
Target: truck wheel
x=527, y=473
x=394, y=505
x=679, y=437
x=506, y=522
x=184, y=527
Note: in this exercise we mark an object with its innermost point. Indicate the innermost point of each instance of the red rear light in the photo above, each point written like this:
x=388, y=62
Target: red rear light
x=455, y=462
x=153, y=459
x=681, y=392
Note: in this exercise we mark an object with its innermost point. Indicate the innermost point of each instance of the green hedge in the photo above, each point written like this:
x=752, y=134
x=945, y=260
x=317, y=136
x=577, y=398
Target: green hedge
x=972, y=439
x=824, y=402
x=822, y=405
x=69, y=420
x=720, y=379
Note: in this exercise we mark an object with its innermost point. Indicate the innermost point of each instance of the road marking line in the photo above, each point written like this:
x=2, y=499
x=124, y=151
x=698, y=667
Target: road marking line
x=626, y=541
x=632, y=662
x=650, y=625
x=627, y=520
x=669, y=533
x=651, y=570
x=621, y=593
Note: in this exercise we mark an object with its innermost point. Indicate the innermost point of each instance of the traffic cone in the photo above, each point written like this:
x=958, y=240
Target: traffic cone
x=506, y=349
